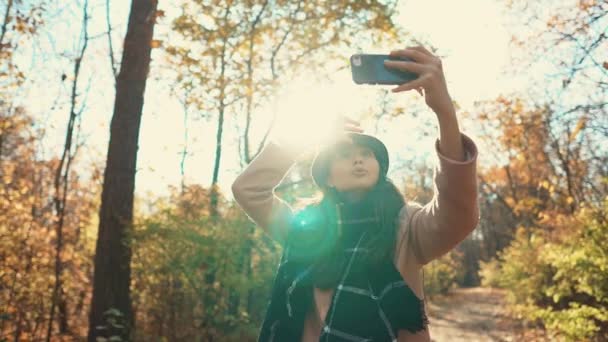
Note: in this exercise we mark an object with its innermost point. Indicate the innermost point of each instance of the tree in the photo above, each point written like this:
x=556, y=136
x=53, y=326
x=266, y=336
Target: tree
x=28, y=239
x=249, y=46
x=112, y=276
x=61, y=185
x=550, y=167
x=177, y=246
x=567, y=40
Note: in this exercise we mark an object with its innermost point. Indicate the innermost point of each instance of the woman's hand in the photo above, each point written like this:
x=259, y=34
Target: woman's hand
x=345, y=124
x=430, y=78
x=335, y=131
x=340, y=127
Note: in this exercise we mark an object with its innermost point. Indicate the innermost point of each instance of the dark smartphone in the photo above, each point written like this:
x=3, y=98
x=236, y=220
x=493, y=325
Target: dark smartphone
x=370, y=69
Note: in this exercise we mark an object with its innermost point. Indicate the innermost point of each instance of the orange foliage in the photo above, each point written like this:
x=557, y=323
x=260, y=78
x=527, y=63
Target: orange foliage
x=27, y=236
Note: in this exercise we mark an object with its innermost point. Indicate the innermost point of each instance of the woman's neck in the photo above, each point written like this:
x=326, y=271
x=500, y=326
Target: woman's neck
x=353, y=196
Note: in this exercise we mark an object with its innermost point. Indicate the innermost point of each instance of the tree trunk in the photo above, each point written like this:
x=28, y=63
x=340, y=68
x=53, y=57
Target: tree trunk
x=60, y=198
x=112, y=274
x=214, y=195
x=63, y=314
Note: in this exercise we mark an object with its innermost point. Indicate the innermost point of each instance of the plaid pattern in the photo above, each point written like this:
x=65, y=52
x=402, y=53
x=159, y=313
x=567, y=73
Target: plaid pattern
x=368, y=304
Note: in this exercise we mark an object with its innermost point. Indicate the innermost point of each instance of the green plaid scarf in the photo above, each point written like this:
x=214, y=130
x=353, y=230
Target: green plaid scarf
x=370, y=302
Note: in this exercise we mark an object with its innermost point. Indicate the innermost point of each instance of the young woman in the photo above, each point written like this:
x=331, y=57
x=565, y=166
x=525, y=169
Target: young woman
x=351, y=264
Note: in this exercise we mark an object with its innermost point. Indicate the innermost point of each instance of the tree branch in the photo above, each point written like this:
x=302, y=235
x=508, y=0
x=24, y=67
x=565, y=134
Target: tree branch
x=112, y=62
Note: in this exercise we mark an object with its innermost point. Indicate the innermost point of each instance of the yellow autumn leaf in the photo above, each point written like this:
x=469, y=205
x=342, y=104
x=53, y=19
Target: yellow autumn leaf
x=155, y=43
x=580, y=125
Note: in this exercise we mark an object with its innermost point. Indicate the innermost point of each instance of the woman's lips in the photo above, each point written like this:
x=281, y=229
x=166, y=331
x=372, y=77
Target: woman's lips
x=359, y=173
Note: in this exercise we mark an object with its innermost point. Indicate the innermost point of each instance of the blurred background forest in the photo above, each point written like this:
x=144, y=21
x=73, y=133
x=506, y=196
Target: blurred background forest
x=159, y=251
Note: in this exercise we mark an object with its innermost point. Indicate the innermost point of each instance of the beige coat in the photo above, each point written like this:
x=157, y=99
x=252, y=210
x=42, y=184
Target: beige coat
x=437, y=227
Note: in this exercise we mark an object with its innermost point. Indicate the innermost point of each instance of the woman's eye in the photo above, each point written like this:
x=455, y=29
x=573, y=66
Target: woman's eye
x=367, y=153
x=345, y=154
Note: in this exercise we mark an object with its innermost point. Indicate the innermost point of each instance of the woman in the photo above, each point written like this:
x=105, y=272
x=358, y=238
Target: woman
x=351, y=266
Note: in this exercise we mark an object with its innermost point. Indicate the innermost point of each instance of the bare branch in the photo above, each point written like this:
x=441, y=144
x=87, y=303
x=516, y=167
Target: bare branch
x=6, y=15
x=109, y=32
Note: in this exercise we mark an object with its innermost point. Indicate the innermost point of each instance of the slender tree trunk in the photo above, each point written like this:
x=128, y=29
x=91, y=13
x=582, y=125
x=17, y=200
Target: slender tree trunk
x=214, y=212
x=62, y=305
x=182, y=164
x=249, y=266
x=17, y=335
x=112, y=274
x=61, y=189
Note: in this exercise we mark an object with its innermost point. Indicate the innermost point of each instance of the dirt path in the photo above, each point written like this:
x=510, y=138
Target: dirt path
x=475, y=314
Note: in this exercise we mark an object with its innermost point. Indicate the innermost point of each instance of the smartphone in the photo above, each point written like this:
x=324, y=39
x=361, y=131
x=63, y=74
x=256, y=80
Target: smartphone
x=370, y=69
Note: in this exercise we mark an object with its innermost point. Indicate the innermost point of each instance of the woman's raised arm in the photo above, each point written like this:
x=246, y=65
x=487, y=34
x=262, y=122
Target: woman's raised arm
x=451, y=215
x=453, y=212
x=254, y=188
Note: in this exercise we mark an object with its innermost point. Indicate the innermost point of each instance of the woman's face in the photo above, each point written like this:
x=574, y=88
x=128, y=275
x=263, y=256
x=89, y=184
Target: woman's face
x=353, y=169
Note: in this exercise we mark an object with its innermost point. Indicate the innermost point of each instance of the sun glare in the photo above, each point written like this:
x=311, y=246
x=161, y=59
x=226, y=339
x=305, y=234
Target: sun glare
x=307, y=111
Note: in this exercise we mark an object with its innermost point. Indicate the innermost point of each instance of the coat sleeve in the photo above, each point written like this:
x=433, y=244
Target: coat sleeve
x=253, y=190
x=434, y=229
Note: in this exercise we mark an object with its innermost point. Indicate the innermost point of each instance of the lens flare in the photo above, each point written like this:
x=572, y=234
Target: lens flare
x=313, y=232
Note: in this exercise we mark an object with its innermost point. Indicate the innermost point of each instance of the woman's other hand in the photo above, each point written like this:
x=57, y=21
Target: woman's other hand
x=340, y=127
x=346, y=124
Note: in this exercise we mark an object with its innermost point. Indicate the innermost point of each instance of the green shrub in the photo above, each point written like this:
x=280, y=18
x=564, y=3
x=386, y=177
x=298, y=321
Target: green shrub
x=558, y=278
x=442, y=274
x=489, y=273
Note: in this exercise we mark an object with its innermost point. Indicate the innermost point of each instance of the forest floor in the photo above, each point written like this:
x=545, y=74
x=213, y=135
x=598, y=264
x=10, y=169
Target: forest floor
x=476, y=314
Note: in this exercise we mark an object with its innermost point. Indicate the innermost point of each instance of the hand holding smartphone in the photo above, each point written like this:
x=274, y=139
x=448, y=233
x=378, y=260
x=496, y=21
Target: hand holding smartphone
x=370, y=69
